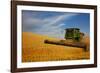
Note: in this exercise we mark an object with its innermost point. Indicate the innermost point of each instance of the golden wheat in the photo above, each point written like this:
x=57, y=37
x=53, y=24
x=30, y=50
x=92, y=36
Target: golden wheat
x=34, y=49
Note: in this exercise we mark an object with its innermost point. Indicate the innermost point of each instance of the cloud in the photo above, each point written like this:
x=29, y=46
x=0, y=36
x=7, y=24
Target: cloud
x=50, y=26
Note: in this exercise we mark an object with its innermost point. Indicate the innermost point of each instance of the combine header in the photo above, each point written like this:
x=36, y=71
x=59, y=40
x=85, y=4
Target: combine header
x=73, y=38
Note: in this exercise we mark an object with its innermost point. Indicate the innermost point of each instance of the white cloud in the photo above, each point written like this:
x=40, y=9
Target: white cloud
x=56, y=19
x=50, y=26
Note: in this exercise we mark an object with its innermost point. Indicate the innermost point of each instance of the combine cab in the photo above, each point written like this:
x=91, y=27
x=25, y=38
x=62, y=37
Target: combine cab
x=72, y=33
x=73, y=38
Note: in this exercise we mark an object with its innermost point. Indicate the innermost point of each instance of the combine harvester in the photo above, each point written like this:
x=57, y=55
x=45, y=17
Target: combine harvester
x=73, y=38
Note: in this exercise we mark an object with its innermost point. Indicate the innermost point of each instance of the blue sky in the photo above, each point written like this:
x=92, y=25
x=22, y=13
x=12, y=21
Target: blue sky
x=53, y=24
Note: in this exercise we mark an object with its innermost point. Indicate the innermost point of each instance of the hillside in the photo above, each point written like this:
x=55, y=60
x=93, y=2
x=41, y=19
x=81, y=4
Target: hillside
x=34, y=50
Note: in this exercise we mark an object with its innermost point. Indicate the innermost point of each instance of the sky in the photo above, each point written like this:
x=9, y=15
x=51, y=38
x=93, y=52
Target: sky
x=53, y=24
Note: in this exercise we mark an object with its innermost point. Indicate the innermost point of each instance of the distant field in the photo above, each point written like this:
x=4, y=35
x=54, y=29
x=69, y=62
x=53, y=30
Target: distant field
x=34, y=49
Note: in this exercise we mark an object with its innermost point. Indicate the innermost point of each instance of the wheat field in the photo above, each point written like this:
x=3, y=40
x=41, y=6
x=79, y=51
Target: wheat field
x=34, y=50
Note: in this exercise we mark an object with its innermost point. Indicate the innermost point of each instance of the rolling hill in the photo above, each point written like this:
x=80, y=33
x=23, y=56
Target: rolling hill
x=34, y=49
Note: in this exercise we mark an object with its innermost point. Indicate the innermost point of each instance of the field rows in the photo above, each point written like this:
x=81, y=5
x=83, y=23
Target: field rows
x=34, y=49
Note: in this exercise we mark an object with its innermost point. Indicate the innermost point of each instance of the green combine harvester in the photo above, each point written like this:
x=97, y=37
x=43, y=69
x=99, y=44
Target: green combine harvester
x=73, y=38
